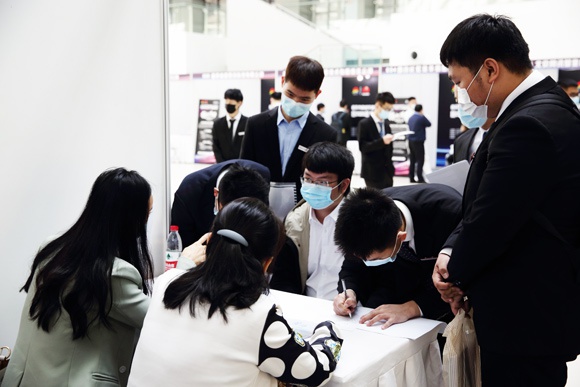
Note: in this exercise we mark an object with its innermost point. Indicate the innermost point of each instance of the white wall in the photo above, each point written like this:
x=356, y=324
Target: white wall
x=82, y=90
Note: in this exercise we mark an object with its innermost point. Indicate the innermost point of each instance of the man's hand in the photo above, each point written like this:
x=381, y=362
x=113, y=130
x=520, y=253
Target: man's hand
x=449, y=292
x=196, y=251
x=343, y=305
x=391, y=314
x=388, y=138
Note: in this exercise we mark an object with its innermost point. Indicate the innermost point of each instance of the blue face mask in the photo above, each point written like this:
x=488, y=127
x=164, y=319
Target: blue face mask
x=383, y=261
x=294, y=109
x=317, y=196
x=576, y=99
x=384, y=114
x=470, y=114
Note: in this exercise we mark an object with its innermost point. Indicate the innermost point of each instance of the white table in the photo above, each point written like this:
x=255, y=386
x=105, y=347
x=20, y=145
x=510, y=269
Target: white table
x=369, y=358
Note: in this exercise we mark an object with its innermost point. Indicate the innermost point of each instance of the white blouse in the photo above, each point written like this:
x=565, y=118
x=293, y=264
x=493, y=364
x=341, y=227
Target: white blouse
x=255, y=347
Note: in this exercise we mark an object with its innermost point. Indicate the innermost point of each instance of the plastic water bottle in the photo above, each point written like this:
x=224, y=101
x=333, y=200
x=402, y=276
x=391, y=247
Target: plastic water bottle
x=174, y=248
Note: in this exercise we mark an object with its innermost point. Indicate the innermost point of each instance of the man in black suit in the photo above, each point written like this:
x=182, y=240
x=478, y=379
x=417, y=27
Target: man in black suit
x=409, y=223
x=516, y=255
x=194, y=204
x=375, y=143
x=466, y=143
x=228, y=131
x=279, y=137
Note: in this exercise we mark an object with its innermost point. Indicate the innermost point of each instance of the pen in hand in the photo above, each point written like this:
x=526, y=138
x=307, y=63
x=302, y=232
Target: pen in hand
x=346, y=297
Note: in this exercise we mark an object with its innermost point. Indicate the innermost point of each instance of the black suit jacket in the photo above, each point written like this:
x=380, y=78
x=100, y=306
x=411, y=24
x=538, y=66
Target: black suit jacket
x=193, y=203
x=375, y=155
x=224, y=146
x=261, y=144
x=462, y=145
x=519, y=278
x=436, y=211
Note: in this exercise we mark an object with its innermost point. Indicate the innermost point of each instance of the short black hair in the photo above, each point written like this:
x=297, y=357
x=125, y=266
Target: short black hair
x=235, y=94
x=319, y=106
x=484, y=36
x=418, y=107
x=276, y=95
x=343, y=103
x=368, y=221
x=304, y=73
x=329, y=157
x=385, y=97
x=567, y=82
x=241, y=182
x=410, y=99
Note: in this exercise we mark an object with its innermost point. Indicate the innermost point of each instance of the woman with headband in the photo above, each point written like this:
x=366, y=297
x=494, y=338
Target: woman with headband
x=216, y=325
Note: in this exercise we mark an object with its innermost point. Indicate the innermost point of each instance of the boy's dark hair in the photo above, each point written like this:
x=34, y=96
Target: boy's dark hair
x=319, y=106
x=385, y=97
x=304, y=73
x=368, y=221
x=276, y=95
x=329, y=157
x=234, y=94
x=484, y=36
x=418, y=107
x=567, y=82
x=241, y=182
x=343, y=103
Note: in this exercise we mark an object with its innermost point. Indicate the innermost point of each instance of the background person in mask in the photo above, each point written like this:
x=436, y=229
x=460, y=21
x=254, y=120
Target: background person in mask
x=310, y=261
x=374, y=141
x=279, y=137
x=228, y=131
x=570, y=87
x=390, y=239
x=516, y=254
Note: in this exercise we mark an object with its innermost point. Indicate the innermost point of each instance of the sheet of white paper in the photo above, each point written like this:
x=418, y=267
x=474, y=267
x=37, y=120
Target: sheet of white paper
x=401, y=135
x=411, y=329
x=454, y=175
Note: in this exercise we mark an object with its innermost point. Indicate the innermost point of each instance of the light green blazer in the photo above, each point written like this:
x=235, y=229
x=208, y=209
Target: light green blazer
x=101, y=359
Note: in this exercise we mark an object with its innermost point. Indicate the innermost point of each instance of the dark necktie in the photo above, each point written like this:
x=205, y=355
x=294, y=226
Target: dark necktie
x=232, y=127
x=407, y=253
x=382, y=128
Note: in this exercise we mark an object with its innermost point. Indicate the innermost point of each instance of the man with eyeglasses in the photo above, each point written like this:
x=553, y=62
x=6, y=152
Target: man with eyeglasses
x=390, y=240
x=310, y=261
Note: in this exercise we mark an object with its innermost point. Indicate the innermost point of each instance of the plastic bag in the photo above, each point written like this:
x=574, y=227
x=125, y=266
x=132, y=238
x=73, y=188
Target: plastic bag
x=461, y=359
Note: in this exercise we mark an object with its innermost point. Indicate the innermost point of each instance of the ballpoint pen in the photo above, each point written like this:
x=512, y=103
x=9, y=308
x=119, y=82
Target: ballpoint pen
x=346, y=296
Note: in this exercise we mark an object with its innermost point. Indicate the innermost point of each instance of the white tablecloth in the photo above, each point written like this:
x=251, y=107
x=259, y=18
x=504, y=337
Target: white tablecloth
x=369, y=358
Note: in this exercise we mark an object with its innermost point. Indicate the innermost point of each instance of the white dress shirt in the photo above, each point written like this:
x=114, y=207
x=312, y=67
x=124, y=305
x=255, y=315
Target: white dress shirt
x=324, y=257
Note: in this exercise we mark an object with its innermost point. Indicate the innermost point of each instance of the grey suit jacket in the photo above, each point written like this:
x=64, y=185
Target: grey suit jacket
x=101, y=359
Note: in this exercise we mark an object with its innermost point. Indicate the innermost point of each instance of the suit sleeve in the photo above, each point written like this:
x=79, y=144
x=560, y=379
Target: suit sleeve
x=365, y=143
x=353, y=274
x=129, y=302
x=507, y=196
x=181, y=217
x=217, y=150
x=286, y=270
x=426, y=121
x=247, y=151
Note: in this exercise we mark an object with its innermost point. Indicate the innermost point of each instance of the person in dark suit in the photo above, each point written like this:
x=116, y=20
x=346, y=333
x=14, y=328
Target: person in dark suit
x=515, y=255
x=320, y=111
x=418, y=123
x=410, y=223
x=466, y=143
x=375, y=143
x=194, y=204
x=279, y=137
x=228, y=131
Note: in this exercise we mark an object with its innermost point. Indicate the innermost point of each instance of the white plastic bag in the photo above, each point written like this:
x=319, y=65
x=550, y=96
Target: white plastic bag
x=461, y=359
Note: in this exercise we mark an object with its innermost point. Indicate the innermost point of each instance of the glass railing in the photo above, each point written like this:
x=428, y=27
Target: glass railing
x=200, y=16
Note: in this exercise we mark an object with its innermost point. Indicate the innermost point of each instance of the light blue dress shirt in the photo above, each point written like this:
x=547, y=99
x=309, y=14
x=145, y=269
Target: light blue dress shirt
x=288, y=134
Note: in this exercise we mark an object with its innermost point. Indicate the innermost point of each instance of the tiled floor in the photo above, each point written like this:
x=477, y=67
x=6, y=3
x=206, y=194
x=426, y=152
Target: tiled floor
x=179, y=171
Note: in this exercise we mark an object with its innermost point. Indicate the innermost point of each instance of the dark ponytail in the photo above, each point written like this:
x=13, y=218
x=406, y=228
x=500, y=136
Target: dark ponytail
x=233, y=273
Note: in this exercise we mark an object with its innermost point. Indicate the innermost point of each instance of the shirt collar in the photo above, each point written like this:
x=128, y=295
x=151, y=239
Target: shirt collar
x=375, y=118
x=531, y=80
x=333, y=215
x=301, y=120
x=236, y=117
x=408, y=220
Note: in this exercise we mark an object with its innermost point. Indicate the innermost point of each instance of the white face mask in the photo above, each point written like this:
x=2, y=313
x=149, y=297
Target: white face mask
x=576, y=99
x=383, y=261
x=472, y=113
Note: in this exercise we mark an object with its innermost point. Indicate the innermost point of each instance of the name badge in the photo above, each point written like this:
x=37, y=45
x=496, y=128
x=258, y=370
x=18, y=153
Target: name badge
x=241, y=133
x=302, y=148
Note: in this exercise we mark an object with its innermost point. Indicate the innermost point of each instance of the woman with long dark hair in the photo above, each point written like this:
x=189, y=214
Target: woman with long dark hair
x=87, y=292
x=216, y=324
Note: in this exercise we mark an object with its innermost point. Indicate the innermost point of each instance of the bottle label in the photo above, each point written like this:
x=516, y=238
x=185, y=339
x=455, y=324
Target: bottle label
x=171, y=258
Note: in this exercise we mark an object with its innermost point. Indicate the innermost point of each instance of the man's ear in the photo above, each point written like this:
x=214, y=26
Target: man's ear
x=345, y=184
x=402, y=235
x=492, y=69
